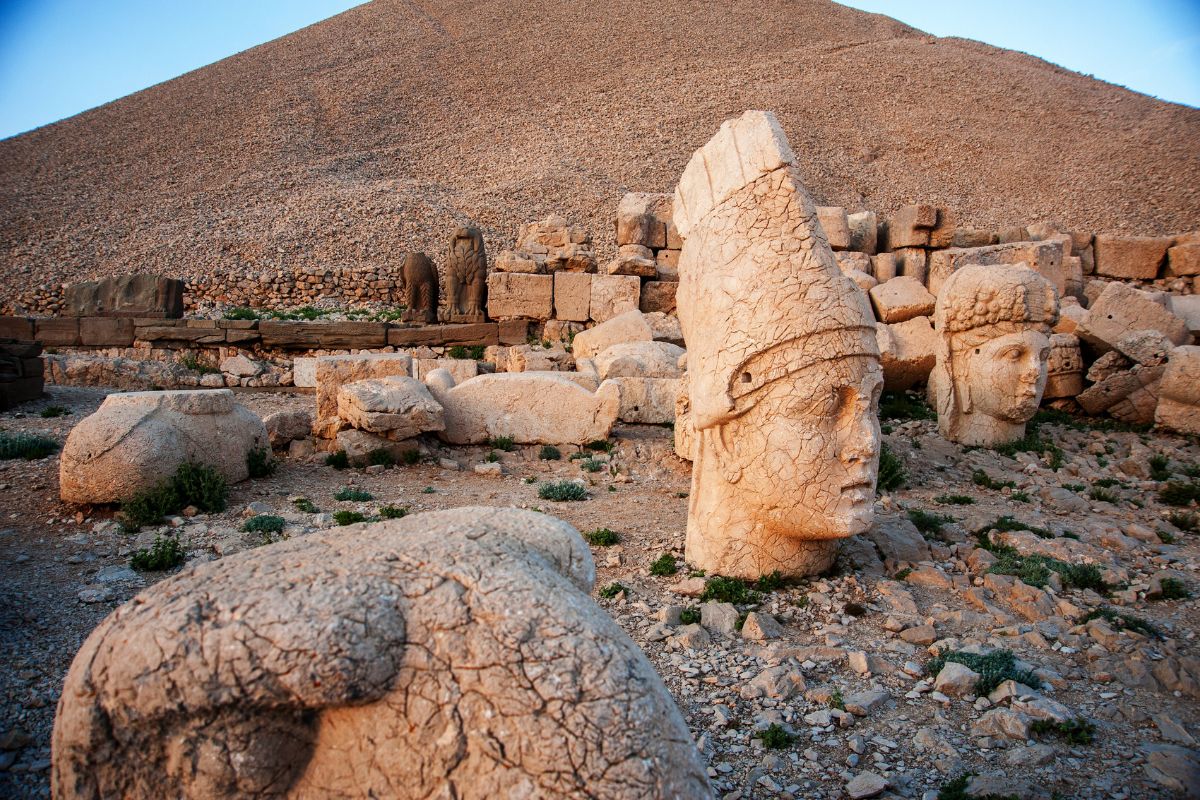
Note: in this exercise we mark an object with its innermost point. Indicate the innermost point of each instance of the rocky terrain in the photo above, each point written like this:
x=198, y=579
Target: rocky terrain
x=385, y=128
x=817, y=689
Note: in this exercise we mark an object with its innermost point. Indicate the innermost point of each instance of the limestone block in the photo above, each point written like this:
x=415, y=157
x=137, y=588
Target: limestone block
x=509, y=261
x=643, y=267
x=304, y=372
x=640, y=360
x=853, y=261
x=942, y=234
x=628, y=327
x=1064, y=368
x=557, y=330
x=1179, y=392
x=884, y=267
x=861, y=279
x=906, y=352
x=1183, y=259
x=668, y=265
x=901, y=299
x=1148, y=348
x=513, y=294
x=864, y=231
x=912, y=262
x=1138, y=257
x=531, y=407
x=105, y=331
x=648, y=401
x=335, y=371
x=535, y=358
x=642, y=219
x=360, y=446
x=613, y=295
x=136, y=439
x=835, y=225
x=284, y=427
x=328, y=711
x=397, y=405
x=290, y=335
x=1187, y=308
x=1111, y=390
x=241, y=365
x=1070, y=314
x=572, y=296
x=148, y=296
x=1122, y=309
x=658, y=296
x=973, y=237
x=910, y=226
x=1042, y=257
x=460, y=368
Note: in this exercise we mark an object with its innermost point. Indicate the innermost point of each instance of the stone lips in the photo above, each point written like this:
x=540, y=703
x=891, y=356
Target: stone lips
x=450, y=652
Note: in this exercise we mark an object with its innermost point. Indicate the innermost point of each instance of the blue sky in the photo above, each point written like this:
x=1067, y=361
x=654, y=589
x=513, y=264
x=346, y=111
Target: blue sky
x=61, y=57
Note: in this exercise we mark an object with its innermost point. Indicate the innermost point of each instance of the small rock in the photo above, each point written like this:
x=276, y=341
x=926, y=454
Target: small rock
x=719, y=618
x=956, y=680
x=95, y=594
x=862, y=704
x=759, y=626
x=866, y=784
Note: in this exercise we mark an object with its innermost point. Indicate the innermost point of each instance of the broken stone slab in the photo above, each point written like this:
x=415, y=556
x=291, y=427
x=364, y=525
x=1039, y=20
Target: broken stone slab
x=1173, y=767
x=1121, y=309
x=899, y=541
x=630, y=326
x=760, y=626
x=138, y=295
x=906, y=352
x=648, y=401
x=835, y=225
x=335, y=371
x=1148, y=348
x=665, y=328
x=613, y=295
x=1183, y=260
x=520, y=295
x=1044, y=258
x=572, y=296
x=241, y=366
x=640, y=360
x=136, y=439
x=658, y=296
x=642, y=219
x=910, y=226
x=864, y=231
x=284, y=427
x=1131, y=257
x=530, y=407
x=396, y=406
x=1179, y=391
x=361, y=446
x=304, y=372
x=1136, y=388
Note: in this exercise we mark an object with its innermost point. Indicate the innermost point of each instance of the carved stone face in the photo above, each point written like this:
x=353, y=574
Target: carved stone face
x=1007, y=375
x=805, y=457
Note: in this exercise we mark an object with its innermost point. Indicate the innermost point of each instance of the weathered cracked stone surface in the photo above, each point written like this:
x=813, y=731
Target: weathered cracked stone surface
x=136, y=439
x=994, y=324
x=449, y=654
x=335, y=371
x=396, y=405
x=783, y=367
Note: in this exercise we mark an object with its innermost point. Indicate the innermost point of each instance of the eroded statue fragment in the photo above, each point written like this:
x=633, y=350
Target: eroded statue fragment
x=993, y=324
x=449, y=654
x=466, y=276
x=420, y=289
x=783, y=367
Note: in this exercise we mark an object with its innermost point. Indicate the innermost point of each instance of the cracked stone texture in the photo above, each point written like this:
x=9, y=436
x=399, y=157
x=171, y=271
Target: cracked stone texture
x=1179, y=393
x=449, y=654
x=396, y=405
x=135, y=439
x=333, y=372
x=1064, y=367
x=783, y=367
x=994, y=324
x=531, y=407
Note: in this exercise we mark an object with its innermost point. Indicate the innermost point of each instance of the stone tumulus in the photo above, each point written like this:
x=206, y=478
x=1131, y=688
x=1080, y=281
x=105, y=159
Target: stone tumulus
x=449, y=654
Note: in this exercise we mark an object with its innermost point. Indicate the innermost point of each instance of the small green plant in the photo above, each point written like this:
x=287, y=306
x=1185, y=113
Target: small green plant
x=903, y=574
x=492, y=457
x=353, y=494
x=50, y=412
x=892, y=474
x=474, y=352
x=1174, y=589
x=1185, y=520
x=1106, y=483
x=1033, y=442
x=954, y=500
x=836, y=700
x=562, y=491
x=192, y=361
x=930, y=525
x=1166, y=537
x=505, y=443
x=1160, y=467
x=196, y=485
x=981, y=478
x=1179, y=493
x=241, y=312
x=381, y=457
x=1019, y=497
x=1074, y=731
x=1008, y=524
x=348, y=517
x=1074, y=487
x=774, y=737
x=664, y=565
x=393, y=512
x=994, y=668
x=689, y=616
x=955, y=788
x=429, y=490
x=727, y=590
x=591, y=465
x=549, y=453
x=904, y=406
x=603, y=537
x=612, y=590
x=770, y=583
x=1122, y=619
x=600, y=446
x=260, y=463
x=264, y=523
x=338, y=460
x=305, y=505
x=166, y=553
x=29, y=446
x=1192, y=470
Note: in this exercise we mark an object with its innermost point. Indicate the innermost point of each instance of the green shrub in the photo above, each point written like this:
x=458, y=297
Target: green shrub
x=981, y=478
x=954, y=500
x=562, y=491
x=1101, y=495
x=1008, y=523
x=600, y=446
x=836, y=700
x=1185, y=520
x=410, y=457
x=549, y=453
x=727, y=590
x=1192, y=470
x=241, y=312
x=260, y=463
x=774, y=737
x=904, y=406
x=1033, y=442
x=166, y=553
x=994, y=668
x=1174, y=589
x=612, y=590
x=903, y=574
x=1019, y=497
x=591, y=465
x=770, y=583
x=1122, y=619
x=28, y=446
x=264, y=523
x=928, y=524
x=664, y=565
x=429, y=490
x=602, y=537
x=504, y=443
x=50, y=412
x=148, y=506
x=492, y=457
x=473, y=352
x=354, y=494
x=1160, y=467
x=393, y=512
x=381, y=457
x=201, y=486
x=348, y=517
x=192, y=361
x=307, y=506
x=689, y=615
x=1166, y=537
x=1035, y=570
x=1179, y=493
x=1074, y=487
x=1075, y=731
x=338, y=460
x=892, y=474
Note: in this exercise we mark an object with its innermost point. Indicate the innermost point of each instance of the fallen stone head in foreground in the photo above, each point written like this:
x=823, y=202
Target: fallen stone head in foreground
x=448, y=654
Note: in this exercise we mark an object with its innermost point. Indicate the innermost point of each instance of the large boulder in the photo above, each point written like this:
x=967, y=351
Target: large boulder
x=640, y=360
x=396, y=406
x=901, y=299
x=649, y=401
x=906, y=352
x=1179, y=393
x=628, y=327
x=1121, y=309
x=335, y=371
x=530, y=407
x=136, y=439
x=449, y=654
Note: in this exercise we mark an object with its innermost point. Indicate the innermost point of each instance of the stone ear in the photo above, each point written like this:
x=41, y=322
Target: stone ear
x=726, y=450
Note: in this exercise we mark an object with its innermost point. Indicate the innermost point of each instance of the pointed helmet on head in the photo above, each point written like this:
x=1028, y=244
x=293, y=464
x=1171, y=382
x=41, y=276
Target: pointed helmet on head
x=774, y=302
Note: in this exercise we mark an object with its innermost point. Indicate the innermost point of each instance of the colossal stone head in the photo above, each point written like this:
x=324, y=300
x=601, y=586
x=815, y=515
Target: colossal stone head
x=783, y=367
x=994, y=325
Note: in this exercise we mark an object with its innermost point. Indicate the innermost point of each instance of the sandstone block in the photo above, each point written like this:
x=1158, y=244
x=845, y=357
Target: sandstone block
x=642, y=218
x=127, y=296
x=1121, y=309
x=360, y=446
x=613, y=295
x=1042, y=257
x=105, y=331
x=535, y=358
x=333, y=372
x=284, y=427
x=1187, y=308
x=285, y=334
x=572, y=296
x=912, y=262
x=864, y=231
x=1136, y=257
x=1183, y=259
x=835, y=225
x=19, y=328
x=136, y=439
x=649, y=401
x=241, y=365
x=531, y=407
x=853, y=261
x=910, y=226
x=513, y=294
x=630, y=326
x=304, y=372
x=460, y=368
x=665, y=327
x=509, y=261
x=668, y=265
x=468, y=334
x=640, y=360
x=1179, y=393
x=398, y=406
x=658, y=296
x=973, y=237
x=942, y=234
x=632, y=265
x=906, y=352
x=56, y=331
x=884, y=267
x=901, y=299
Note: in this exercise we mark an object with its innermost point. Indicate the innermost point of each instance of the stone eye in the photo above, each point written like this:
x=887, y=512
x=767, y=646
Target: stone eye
x=746, y=377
